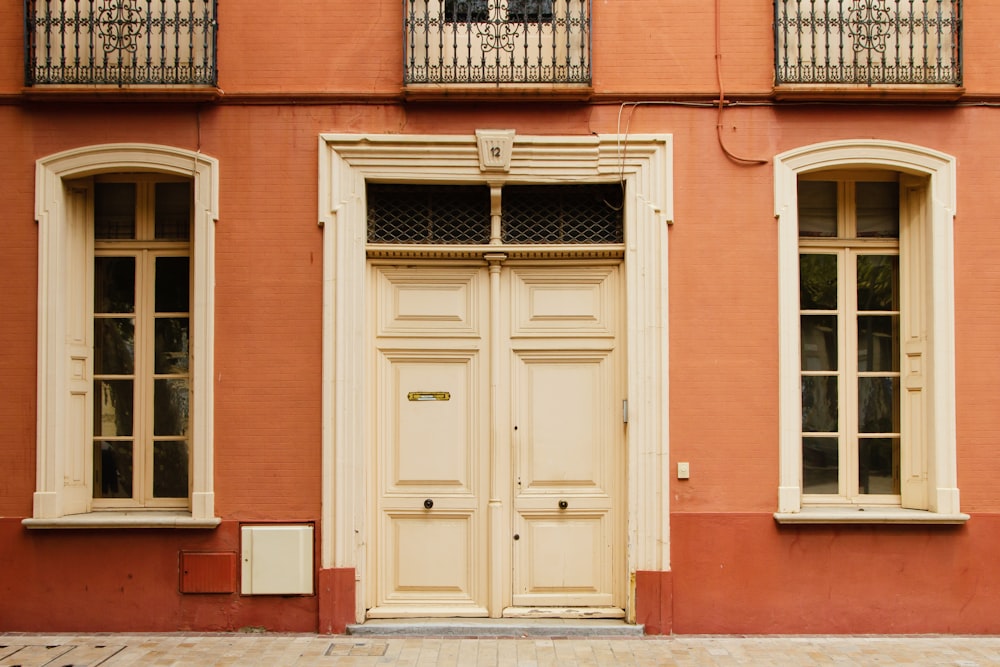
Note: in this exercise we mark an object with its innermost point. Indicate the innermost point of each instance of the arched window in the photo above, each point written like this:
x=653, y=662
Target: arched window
x=126, y=268
x=866, y=298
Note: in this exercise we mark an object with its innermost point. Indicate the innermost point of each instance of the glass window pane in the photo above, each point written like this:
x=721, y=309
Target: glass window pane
x=465, y=10
x=170, y=407
x=819, y=342
x=112, y=469
x=818, y=209
x=818, y=282
x=114, y=346
x=878, y=465
x=819, y=404
x=878, y=404
x=114, y=284
x=878, y=343
x=170, y=469
x=877, y=209
x=820, y=465
x=113, y=407
x=173, y=211
x=529, y=10
x=171, y=347
x=172, y=284
x=878, y=282
x=114, y=211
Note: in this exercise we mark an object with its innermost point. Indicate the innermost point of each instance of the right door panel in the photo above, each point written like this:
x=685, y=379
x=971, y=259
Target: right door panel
x=568, y=435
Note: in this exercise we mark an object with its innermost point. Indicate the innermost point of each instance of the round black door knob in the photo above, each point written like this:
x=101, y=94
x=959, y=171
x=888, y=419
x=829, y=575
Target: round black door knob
x=563, y=504
x=516, y=537
x=428, y=503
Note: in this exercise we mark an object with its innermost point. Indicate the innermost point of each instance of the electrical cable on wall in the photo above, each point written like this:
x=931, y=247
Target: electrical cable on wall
x=720, y=104
x=722, y=94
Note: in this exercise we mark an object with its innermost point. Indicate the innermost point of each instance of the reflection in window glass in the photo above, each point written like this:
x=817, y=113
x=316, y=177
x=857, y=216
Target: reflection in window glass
x=112, y=469
x=170, y=469
x=818, y=282
x=114, y=210
x=173, y=211
x=818, y=208
x=820, y=465
x=141, y=349
x=878, y=465
x=849, y=327
x=878, y=210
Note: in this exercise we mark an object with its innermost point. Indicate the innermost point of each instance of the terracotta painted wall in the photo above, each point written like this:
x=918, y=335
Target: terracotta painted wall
x=732, y=568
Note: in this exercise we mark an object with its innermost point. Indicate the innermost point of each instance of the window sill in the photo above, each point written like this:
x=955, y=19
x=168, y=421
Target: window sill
x=52, y=92
x=847, y=92
x=144, y=519
x=863, y=515
x=477, y=92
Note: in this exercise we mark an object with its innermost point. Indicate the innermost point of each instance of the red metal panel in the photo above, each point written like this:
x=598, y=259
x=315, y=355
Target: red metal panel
x=208, y=572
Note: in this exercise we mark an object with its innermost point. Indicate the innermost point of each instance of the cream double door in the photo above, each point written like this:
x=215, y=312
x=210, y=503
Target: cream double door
x=498, y=452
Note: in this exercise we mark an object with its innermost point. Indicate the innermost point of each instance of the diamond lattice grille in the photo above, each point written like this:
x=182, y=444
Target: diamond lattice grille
x=428, y=214
x=460, y=214
x=562, y=213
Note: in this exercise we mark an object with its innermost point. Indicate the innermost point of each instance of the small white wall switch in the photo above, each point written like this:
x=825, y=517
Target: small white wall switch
x=683, y=470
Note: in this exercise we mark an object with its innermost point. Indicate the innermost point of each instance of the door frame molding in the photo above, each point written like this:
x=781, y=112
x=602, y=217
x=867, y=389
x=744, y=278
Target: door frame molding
x=346, y=162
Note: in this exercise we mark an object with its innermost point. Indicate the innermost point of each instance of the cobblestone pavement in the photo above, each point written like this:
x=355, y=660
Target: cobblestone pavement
x=299, y=650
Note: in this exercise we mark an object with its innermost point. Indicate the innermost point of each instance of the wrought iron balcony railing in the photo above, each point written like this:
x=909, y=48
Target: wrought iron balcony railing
x=120, y=42
x=874, y=42
x=496, y=41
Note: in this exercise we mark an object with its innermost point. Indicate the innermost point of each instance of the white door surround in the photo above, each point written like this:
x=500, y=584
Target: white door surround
x=347, y=162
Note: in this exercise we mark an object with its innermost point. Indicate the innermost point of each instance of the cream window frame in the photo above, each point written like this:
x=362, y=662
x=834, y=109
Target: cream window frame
x=929, y=484
x=64, y=473
x=145, y=249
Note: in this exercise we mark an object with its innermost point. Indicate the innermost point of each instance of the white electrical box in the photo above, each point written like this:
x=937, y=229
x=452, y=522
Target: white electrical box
x=277, y=560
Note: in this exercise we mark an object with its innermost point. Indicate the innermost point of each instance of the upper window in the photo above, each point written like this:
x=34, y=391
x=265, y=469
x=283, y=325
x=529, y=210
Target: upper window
x=849, y=307
x=480, y=10
x=120, y=42
x=126, y=266
x=866, y=325
x=496, y=41
x=142, y=355
x=869, y=42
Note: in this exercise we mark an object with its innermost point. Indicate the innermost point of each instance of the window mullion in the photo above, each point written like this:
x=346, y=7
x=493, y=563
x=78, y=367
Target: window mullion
x=146, y=214
x=847, y=215
x=849, y=407
x=144, y=376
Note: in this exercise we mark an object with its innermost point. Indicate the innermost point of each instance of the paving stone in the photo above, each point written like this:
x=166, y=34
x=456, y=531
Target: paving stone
x=306, y=650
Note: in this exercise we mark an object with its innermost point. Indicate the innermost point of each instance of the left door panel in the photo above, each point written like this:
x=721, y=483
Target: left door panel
x=432, y=442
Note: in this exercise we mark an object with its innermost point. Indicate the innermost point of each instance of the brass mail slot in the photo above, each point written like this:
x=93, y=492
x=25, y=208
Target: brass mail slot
x=429, y=396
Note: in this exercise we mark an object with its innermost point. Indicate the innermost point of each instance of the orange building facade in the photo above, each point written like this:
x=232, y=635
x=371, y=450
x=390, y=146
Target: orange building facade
x=321, y=313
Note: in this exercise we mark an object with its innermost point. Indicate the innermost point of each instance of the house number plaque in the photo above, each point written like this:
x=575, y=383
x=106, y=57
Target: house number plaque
x=429, y=396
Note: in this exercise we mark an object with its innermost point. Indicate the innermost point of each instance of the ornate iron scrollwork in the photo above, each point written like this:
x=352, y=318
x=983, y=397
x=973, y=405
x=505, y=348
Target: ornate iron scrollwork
x=119, y=23
x=869, y=23
x=497, y=32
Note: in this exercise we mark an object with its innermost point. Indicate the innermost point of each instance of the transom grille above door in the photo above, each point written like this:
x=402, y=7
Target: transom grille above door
x=428, y=214
x=460, y=214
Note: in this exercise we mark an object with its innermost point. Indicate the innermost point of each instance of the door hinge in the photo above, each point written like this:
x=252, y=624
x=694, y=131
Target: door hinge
x=625, y=411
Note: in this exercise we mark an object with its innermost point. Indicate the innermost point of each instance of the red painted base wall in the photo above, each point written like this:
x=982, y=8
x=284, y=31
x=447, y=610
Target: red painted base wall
x=337, y=588
x=128, y=581
x=731, y=574
x=745, y=574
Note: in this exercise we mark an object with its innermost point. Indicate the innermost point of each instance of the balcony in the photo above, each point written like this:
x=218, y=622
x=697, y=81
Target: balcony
x=510, y=43
x=885, y=45
x=120, y=43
